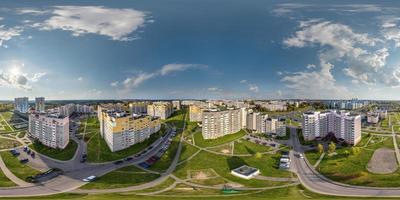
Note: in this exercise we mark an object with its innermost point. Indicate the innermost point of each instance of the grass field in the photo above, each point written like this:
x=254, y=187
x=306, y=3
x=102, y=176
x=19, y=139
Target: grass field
x=187, y=151
x=351, y=169
x=201, y=142
x=59, y=154
x=20, y=170
x=4, y=181
x=124, y=177
x=245, y=147
x=289, y=193
x=6, y=143
x=222, y=165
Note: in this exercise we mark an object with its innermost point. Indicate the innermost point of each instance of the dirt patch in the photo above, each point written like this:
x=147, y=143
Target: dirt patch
x=383, y=161
x=225, y=151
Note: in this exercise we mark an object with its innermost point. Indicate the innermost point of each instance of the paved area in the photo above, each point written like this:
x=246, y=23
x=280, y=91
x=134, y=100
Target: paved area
x=383, y=161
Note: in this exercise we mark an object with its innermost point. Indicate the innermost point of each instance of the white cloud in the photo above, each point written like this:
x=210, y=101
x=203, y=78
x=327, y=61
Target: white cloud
x=114, y=84
x=339, y=42
x=37, y=76
x=114, y=23
x=357, y=8
x=214, y=89
x=169, y=68
x=18, y=81
x=310, y=66
x=31, y=11
x=288, y=8
x=139, y=78
x=80, y=78
x=94, y=93
x=243, y=81
x=8, y=33
x=315, y=84
x=253, y=88
x=390, y=29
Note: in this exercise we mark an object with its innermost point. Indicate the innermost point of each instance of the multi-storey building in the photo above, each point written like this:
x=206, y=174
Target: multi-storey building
x=138, y=107
x=176, y=104
x=21, y=104
x=162, y=109
x=343, y=125
x=217, y=123
x=121, y=130
x=39, y=104
x=195, y=113
x=373, y=118
x=51, y=130
x=280, y=128
x=275, y=126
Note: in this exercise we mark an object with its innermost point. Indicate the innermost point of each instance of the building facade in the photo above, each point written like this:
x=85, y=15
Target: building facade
x=139, y=107
x=21, y=104
x=195, y=113
x=343, y=125
x=216, y=123
x=50, y=130
x=121, y=130
x=160, y=109
x=39, y=104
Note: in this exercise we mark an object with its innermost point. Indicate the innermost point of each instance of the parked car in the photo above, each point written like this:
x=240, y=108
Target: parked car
x=89, y=179
x=33, y=154
x=128, y=159
x=23, y=161
x=118, y=162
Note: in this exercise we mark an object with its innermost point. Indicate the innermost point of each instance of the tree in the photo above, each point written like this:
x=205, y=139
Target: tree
x=346, y=152
x=258, y=155
x=320, y=148
x=332, y=147
x=355, y=150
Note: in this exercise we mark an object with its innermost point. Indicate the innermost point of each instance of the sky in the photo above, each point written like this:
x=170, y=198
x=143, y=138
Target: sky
x=230, y=49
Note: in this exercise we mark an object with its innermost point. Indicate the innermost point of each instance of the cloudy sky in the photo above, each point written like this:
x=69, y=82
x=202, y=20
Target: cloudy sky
x=199, y=49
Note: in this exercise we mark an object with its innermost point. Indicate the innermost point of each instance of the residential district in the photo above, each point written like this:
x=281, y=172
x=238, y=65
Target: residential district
x=318, y=148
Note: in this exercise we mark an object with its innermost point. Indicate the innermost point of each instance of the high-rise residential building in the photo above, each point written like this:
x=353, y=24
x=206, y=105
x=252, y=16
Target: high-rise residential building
x=176, y=104
x=280, y=127
x=121, y=130
x=270, y=125
x=39, y=104
x=217, y=123
x=343, y=125
x=195, y=113
x=243, y=113
x=49, y=129
x=21, y=104
x=162, y=109
x=256, y=122
x=67, y=110
x=138, y=107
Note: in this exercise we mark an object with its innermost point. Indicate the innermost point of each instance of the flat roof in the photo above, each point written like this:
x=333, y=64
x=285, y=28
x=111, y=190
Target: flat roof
x=245, y=170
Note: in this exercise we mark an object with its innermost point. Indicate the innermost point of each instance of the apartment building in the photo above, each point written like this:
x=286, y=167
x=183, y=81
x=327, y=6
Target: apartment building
x=139, y=107
x=195, y=113
x=51, y=130
x=39, y=104
x=218, y=123
x=342, y=124
x=121, y=130
x=21, y=104
x=176, y=104
x=161, y=109
x=256, y=122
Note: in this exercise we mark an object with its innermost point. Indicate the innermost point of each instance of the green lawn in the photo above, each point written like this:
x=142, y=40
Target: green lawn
x=176, y=119
x=6, y=143
x=187, y=151
x=4, y=181
x=223, y=165
x=59, y=154
x=289, y=193
x=20, y=170
x=124, y=177
x=312, y=156
x=21, y=134
x=200, y=141
x=243, y=146
x=351, y=169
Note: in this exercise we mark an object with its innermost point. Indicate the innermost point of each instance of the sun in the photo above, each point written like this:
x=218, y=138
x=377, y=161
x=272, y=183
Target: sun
x=14, y=71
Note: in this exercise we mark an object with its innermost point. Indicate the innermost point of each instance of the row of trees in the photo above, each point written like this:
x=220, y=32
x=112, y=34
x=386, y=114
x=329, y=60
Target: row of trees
x=332, y=148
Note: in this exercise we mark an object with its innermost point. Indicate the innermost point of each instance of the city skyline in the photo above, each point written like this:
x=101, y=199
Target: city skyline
x=141, y=50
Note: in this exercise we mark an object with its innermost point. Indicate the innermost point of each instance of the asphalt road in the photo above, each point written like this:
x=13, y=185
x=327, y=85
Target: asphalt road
x=317, y=183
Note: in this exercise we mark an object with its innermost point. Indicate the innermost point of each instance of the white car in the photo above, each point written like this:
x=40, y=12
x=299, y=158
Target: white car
x=89, y=179
x=301, y=156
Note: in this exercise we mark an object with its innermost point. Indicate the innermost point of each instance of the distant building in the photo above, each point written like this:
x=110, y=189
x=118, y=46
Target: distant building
x=176, y=104
x=195, y=113
x=373, y=118
x=256, y=122
x=50, y=130
x=39, y=104
x=21, y=104
x=162, y=109
x=121, y=130
x=343, y=125
x=139, y=107
x=217, y=123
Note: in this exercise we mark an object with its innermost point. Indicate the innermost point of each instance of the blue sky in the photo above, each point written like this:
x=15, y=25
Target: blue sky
x=199, y=49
